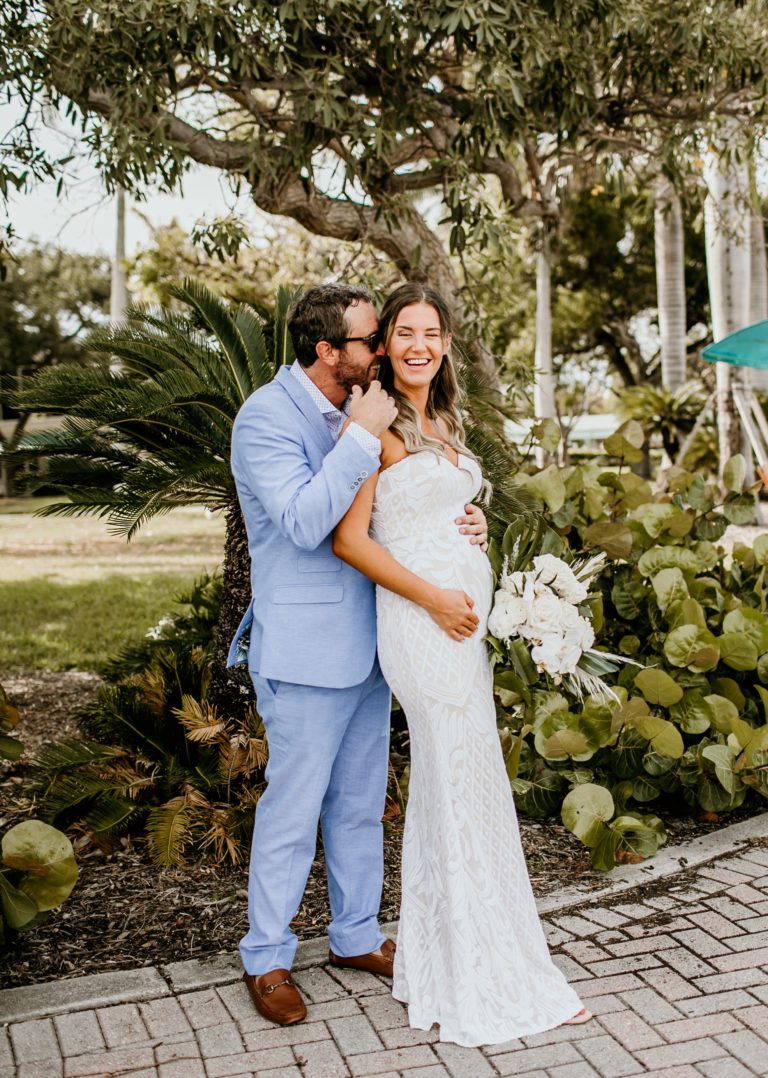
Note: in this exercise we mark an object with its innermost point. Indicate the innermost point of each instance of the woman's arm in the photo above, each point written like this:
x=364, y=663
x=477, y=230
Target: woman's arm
x=451, y=609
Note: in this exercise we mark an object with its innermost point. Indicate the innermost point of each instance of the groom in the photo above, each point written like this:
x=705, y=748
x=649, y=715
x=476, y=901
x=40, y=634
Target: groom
x=301, y=447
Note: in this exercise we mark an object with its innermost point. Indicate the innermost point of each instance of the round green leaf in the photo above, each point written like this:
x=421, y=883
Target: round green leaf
x=565, y=743
x=737, y=651
x=662, y=736
x=626, y=442
x=692, y=647
x=670, y=587
x=751, y=623
x=692, y=713
x=668, y=557
x=629, y=645
x=614, y=539
x=18, y=909
x=734, y=472
x=761, y=549
x=548, y=486
x=658, y=687
x=739, y=508
x=46, y=855
x=724, y=712
x=585, y=811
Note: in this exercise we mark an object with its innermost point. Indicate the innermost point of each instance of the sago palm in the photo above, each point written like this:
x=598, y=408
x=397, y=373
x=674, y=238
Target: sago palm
x=147, y=424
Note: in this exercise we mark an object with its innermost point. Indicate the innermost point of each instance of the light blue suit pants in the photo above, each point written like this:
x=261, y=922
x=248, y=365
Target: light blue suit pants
x=328, y=759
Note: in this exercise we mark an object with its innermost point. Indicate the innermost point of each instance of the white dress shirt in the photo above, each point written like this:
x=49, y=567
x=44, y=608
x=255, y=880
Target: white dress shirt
x=335, y=417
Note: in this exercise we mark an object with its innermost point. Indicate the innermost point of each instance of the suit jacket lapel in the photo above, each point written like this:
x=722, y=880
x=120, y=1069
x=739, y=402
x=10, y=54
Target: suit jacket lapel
x=306, y=406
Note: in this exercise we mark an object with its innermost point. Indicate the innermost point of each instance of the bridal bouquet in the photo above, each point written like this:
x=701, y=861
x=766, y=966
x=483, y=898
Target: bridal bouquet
x=544, y=607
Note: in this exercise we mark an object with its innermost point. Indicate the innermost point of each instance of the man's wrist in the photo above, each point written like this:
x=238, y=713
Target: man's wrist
x=367, y=441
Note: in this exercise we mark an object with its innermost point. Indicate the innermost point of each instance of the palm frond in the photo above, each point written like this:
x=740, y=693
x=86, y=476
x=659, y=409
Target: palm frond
x=113, y=815
x=168, y=830
x=283, y=344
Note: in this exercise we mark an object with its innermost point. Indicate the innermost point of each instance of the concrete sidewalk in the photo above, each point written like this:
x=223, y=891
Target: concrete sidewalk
x=672, y=957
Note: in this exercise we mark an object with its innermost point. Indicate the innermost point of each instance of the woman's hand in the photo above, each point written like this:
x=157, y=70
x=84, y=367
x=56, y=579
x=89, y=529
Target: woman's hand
x=452, y=610
x=475, y=526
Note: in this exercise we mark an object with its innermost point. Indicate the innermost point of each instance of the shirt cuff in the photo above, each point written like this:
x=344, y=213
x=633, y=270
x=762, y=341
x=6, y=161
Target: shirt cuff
x=367, y=441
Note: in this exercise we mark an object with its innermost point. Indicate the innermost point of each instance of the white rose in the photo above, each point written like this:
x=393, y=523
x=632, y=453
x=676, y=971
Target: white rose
x=508, y=615
x=545, y=615
x=546, y=655
x=559, y=576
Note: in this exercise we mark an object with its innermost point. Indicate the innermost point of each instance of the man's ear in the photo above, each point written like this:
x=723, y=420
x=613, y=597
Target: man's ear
x=327, y=353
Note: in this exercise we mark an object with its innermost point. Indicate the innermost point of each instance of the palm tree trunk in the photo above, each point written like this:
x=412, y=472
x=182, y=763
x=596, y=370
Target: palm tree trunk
x=670, y=282
x=728, y=265
x=543, y=386
x=231, y=691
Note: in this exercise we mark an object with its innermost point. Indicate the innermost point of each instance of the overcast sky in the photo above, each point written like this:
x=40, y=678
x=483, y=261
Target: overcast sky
x=82, y=218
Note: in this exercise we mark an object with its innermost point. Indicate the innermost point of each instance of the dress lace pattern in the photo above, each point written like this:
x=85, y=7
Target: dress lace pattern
x=471, y=953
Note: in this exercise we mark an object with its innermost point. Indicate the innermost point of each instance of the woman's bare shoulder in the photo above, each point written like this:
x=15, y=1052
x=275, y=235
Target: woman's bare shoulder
x=392, y=449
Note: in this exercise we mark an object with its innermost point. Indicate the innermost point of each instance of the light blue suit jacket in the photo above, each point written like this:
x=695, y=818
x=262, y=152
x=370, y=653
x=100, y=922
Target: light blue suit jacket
x=312, y=618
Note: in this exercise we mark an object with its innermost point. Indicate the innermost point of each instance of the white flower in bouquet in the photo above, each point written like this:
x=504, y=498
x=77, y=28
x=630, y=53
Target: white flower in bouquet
x=545, y=615
x=560, y=577
x=555, y=656
x=508, y=616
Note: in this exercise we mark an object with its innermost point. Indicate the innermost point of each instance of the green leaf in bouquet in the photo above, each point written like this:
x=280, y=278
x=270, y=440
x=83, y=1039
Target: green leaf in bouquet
x=564, y=743
x=739, y=508
x=658, y=687
x=726, y=686
x=734, y=472
x=686, y=612
x=542, y=795
x=547, y=485
x=629, y=645
x=643, y=790
x=668, y=557
x=629, y=598
x=585, y=811
x=670, y=587
x=724, y=711
x=737, y=651
x=551, y=543
x=496, y=558
x=594, y=663
x=690, y=646
x=521, y=659
x=752, y=623
x=723, y=757
x=614, y=539
x=693, y=714
x=663, y=736
x=546, y=433
x=626, y=443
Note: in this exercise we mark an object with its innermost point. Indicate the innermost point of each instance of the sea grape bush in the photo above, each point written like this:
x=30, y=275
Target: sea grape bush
x=688, y=725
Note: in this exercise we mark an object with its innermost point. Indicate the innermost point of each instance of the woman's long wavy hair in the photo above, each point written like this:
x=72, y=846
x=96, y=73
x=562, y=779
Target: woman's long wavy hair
x=445, y=396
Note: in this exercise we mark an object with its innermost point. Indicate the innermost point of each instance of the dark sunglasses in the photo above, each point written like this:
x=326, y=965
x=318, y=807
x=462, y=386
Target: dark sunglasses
x=371, y=342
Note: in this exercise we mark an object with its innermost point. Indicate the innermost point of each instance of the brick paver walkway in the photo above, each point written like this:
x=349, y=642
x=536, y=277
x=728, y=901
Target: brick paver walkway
x=676, y=972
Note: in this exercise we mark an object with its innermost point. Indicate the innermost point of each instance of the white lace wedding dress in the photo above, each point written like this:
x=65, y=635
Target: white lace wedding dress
x=471, y=954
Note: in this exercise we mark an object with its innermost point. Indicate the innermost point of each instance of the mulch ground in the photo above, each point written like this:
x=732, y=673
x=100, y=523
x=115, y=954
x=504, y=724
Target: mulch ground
x=124, y=912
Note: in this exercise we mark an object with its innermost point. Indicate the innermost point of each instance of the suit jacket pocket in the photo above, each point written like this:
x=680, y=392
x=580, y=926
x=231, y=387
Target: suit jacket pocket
x=299, y=593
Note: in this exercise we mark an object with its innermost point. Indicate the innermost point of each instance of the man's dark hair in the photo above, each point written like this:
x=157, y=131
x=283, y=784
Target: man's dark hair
x=318, y=315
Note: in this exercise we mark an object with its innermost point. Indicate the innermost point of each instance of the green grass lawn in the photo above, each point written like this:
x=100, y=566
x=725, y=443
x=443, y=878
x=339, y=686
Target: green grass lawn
x=72, y=595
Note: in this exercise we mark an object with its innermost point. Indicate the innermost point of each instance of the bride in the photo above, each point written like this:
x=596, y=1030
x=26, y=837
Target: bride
x=471, y=953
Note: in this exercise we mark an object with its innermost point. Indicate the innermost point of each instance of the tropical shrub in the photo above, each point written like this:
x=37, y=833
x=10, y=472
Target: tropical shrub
x=157, y=754
x=688, y=724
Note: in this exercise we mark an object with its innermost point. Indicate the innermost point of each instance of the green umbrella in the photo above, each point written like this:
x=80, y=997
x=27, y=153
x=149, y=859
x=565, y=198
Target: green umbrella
x=745, y=348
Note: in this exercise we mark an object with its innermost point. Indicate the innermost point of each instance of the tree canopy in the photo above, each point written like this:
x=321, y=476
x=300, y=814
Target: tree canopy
x=341, y=114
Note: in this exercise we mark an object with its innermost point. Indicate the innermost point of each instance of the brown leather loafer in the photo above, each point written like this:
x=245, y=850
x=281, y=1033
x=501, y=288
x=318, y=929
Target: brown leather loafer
x=371, y=963
x=276, y=996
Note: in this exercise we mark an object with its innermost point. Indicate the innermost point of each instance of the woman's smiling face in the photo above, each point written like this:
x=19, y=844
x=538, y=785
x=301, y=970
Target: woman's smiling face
x=416, y=347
